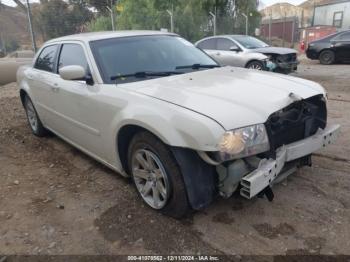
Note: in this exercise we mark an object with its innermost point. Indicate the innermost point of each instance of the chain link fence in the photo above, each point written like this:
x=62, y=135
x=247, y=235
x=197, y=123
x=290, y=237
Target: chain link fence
x=54, y=18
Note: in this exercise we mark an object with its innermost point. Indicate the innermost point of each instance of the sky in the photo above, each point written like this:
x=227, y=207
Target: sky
x=271, y=2
x=266, y=2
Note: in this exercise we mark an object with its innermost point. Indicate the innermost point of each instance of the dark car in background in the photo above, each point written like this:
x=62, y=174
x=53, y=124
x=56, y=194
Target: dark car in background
x=330, y=49
x=242, y=47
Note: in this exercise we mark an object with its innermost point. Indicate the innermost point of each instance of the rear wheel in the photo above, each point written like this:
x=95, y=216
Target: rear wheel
x=257, y=65
x=327, y=57
x=156, y=175
x=33, y=119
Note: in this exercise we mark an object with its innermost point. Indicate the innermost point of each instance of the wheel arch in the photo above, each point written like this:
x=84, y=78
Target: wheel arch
x=199, y=176
x=22, y=95
x=330, y=50
x=123, y=139
x=324, y=49
x=186, y=130
x=253, y=60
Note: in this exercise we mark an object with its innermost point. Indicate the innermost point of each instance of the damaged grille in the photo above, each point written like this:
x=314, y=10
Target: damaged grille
x=297, y=121
x=287, y=58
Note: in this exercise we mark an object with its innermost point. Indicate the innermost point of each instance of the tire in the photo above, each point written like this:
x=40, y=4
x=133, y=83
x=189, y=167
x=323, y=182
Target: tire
x=157, y=176
x=327, y=57
x=33, y=119
x=257, y=65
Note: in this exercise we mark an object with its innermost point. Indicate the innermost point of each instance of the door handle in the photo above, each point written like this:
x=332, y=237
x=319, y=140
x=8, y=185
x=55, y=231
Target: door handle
x=30, y=76
x=218, y=53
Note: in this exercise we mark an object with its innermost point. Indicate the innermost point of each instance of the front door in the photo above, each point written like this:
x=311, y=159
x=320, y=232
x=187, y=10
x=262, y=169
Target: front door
x=341, y=45
x=74, y=103
x=228, y=53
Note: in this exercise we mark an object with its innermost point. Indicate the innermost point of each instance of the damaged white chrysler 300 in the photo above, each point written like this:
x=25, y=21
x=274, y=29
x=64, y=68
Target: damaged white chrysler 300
x=152, y=106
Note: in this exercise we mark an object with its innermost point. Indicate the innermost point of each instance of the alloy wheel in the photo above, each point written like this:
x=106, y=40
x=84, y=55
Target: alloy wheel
x=150, y=178
x=255, y=66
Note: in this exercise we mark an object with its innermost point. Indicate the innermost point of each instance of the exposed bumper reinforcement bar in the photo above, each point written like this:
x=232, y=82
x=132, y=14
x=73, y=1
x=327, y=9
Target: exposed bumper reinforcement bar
x=270, y=169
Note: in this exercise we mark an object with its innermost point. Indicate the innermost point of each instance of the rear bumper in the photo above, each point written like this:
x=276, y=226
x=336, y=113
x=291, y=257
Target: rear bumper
x=269, y=170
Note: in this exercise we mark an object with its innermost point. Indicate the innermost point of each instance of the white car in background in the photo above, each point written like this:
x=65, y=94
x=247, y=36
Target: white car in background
x=152, y=106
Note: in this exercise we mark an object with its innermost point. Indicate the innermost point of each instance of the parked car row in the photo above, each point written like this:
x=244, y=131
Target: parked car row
x=153, y=107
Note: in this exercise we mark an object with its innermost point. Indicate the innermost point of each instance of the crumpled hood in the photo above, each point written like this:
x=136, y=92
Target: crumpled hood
x=275, y=50
x=234, y=97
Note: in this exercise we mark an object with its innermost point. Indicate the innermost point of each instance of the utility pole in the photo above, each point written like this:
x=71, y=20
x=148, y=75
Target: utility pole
x=246, y=23
x=171, y=20
x=214, y=21
x=270, y=26
x=293, y=29
x=111, y=10
x=284, y=28
x=31, y=31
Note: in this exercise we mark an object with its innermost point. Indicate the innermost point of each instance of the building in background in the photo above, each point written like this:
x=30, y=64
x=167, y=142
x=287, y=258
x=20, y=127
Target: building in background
x=333, y=13
x=281, y=22
x=286, y=24
x=284, y=30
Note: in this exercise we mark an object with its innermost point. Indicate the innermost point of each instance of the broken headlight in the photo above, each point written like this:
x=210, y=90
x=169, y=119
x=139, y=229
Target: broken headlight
x=243, y=142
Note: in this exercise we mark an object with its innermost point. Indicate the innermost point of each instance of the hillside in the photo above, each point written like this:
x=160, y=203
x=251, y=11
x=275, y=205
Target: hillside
x=14, y=25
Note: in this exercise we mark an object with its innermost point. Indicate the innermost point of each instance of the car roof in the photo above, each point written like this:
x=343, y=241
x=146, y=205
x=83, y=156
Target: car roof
x=218, y=36
x=87, y=37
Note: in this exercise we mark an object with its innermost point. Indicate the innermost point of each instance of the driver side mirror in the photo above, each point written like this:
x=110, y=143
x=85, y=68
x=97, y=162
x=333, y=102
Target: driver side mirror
x=75, y=72
x=235, y=48
x=72, y=72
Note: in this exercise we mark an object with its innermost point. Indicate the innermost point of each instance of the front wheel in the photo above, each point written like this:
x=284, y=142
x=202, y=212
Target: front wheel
x=156, y=175
x=257, y=65
x=327, y=57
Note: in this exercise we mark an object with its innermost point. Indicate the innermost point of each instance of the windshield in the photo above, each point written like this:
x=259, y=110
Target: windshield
x=156, y=53
x=250, y=42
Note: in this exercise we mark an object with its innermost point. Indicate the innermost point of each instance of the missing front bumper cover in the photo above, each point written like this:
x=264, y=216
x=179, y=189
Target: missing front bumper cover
x=269, y=170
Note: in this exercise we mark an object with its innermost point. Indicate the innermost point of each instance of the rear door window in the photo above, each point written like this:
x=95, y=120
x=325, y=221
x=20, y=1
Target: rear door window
x=72, y=54
x=208, y=44
x=47, y=58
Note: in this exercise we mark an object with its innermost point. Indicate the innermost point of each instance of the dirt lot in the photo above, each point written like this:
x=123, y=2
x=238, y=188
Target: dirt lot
x=56, y=200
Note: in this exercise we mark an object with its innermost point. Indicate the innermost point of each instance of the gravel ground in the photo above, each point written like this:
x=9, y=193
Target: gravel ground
x=56, y=200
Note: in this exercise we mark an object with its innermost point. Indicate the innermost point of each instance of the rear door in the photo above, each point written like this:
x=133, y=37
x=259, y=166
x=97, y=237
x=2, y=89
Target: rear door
x=209, y=46
x=40, y=81
x=341, y=45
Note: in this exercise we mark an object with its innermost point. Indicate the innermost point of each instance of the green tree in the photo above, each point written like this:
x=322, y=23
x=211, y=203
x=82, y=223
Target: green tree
x=101, y=5
x=101, y=23
x=191, y=17
x=11, y=45
x=248, y=7
x=56, y=18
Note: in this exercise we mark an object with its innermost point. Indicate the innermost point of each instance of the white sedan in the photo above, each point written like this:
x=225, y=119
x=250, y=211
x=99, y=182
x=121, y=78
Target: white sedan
x=152, y=106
